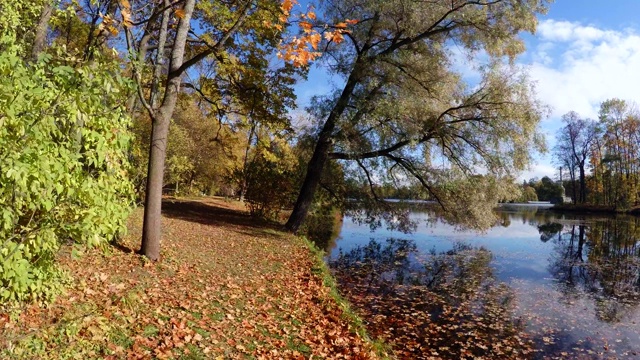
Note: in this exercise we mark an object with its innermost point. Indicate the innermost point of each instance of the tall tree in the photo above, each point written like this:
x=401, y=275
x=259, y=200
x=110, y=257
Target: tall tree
x=620, y=122
x=574, y=145
x=166, y=47
x=402, y=101
x=42, y=27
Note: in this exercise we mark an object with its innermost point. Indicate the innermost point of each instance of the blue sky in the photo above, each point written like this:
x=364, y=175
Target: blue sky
x=583, y=53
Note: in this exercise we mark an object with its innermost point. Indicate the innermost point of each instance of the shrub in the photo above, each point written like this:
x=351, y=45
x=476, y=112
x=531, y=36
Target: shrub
x=271, y=182
x=63, y=165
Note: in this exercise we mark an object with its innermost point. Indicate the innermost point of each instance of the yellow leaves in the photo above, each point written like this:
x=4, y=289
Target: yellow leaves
x=307, y=27
x=112, y=30
x=335, y=36
x=125, y=10
x=108, y=25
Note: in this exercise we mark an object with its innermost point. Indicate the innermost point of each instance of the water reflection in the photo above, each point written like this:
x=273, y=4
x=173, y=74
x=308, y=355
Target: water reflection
x=573, y=282
x=547, y=231
x=601, y=260
x=447, y=304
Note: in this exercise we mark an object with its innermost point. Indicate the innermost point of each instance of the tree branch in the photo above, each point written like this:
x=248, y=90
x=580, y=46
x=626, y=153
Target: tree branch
x=217, y=46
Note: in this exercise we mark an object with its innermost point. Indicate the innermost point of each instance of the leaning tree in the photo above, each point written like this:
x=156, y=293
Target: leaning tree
x=407, y=108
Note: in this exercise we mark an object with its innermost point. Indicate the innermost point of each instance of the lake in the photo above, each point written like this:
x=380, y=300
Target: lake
x=538, y=285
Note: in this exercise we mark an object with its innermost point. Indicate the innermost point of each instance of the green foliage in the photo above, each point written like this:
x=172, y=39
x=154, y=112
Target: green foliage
x=17, y=19
x=271, y=180
x=201, y=152
x=528, y=194
x=63, y=155
x=548, y=190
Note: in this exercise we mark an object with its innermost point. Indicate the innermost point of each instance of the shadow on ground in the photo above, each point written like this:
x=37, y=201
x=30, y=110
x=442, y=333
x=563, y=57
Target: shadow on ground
x=213, y=214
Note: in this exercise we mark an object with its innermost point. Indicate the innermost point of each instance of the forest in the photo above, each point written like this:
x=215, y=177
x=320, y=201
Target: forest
x=597, y=161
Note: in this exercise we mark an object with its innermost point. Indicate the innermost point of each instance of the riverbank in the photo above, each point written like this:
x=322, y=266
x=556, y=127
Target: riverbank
x=595, y=209
x=227, y=287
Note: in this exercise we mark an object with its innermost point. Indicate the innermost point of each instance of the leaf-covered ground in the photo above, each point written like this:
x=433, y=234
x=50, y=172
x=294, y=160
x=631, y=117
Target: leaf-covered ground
x=226, y=288
x=444, y=306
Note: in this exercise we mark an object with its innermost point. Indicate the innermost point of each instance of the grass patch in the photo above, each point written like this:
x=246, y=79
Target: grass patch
x=321, y=269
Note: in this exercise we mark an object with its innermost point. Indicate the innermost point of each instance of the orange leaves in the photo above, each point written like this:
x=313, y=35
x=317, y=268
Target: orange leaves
x=314, y=40
x=287, y=5
x=303, y=49
x=180, y=13
x=335, y=36
x=125, y=10
x=222, y=290
x=307, y=27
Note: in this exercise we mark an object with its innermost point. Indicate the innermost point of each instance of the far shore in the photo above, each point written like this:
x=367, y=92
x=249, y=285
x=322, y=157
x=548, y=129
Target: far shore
x=590, y=208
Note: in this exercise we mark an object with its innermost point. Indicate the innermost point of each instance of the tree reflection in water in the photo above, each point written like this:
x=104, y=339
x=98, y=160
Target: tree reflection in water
x=446, y=305
x=601, y=259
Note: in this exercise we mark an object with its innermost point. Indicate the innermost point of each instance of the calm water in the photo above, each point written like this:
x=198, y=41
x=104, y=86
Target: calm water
x=576, y=278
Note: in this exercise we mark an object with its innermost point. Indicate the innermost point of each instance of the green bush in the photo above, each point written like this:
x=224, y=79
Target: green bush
x=63, y=165
x=271, y=181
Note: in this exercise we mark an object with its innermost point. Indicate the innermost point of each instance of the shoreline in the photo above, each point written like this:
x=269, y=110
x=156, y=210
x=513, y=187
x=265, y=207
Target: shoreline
x=599, y=209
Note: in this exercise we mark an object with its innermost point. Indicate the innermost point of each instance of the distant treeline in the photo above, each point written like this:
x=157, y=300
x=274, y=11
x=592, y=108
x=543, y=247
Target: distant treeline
x=600, y=159
x=544, y=189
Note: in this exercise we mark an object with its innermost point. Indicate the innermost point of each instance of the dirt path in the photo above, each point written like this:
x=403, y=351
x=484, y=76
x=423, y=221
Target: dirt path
x=227, y=287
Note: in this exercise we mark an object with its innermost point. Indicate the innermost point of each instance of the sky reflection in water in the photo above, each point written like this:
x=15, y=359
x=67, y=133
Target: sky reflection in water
x=577, y=277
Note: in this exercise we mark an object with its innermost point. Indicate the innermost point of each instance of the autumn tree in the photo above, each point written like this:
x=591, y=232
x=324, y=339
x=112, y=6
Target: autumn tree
x=548, y=190
x=614, y=156
x=528, y=193
x=405, y=111
x=170, y=39
x=574, y=145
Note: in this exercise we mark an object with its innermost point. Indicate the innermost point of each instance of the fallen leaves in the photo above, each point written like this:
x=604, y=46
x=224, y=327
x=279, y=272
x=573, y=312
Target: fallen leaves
x=225, y=289
x=448, y=306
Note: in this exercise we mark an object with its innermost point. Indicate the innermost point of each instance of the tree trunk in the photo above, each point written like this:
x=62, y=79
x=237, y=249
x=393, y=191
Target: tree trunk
x=321, y=154
x=245, y=161
x=312, y=179
x=572, y=176
x=39, y=42
x=152, y=230
x=583, y=190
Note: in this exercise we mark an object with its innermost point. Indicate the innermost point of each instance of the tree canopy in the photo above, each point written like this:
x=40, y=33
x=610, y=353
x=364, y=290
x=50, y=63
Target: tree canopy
x=404, y=111
x=601, y=157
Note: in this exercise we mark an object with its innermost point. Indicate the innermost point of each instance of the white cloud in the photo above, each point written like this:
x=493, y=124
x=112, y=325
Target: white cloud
x=554, y=30
x=539, y=170
x=578, y=66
